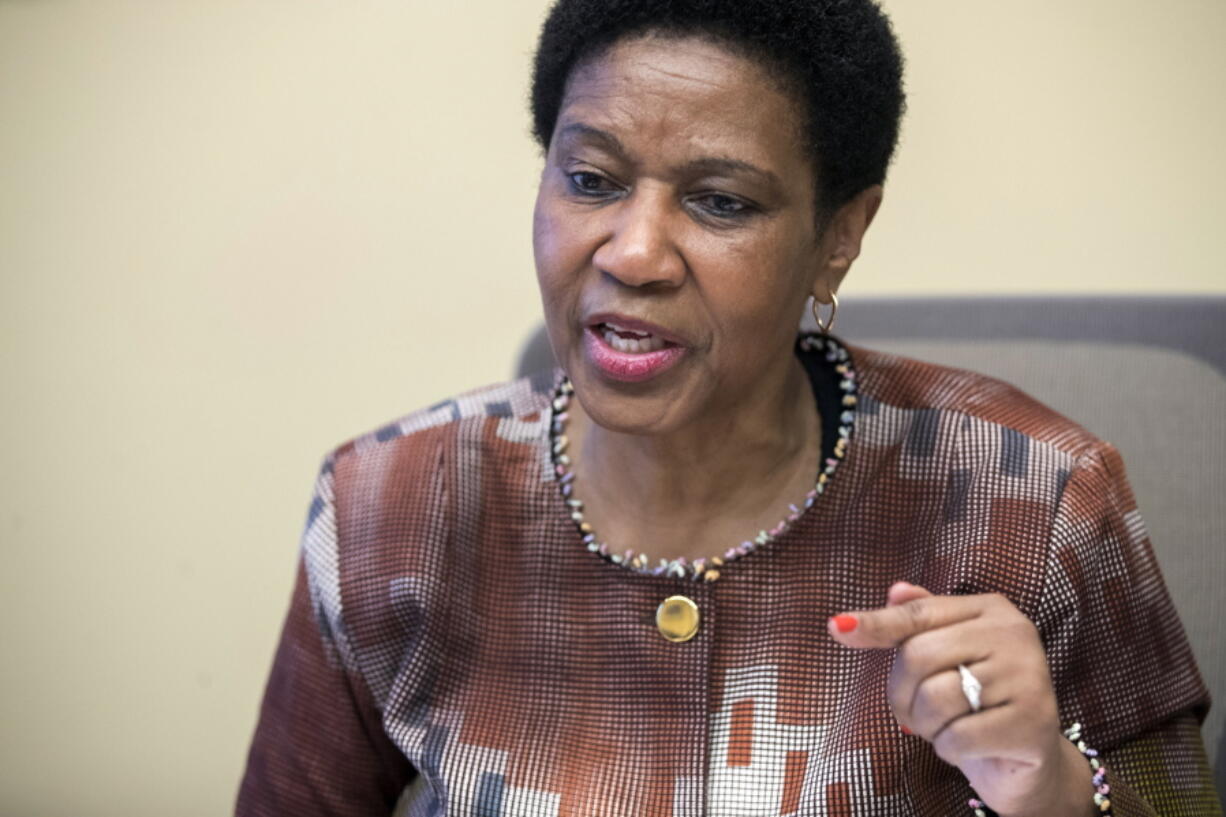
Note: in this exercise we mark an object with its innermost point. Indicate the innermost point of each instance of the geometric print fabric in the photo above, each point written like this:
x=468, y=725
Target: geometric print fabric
x=453, y=647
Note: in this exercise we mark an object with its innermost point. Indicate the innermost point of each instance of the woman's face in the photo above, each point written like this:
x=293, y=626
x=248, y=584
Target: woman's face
x=675, y=233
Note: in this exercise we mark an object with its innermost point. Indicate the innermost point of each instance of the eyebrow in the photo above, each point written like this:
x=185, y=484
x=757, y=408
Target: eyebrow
x=718, y=165
x=707, y=165
x=578, y=129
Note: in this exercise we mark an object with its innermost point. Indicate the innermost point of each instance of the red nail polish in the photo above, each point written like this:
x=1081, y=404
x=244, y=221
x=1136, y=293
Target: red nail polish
x=905, y=730
x=845, y=624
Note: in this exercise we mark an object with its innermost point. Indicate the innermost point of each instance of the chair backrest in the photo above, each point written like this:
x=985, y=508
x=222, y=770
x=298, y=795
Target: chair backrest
x=1147, y=374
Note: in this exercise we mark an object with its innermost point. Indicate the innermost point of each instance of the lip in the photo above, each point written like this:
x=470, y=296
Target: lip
x=637, y=325
x=628, y=367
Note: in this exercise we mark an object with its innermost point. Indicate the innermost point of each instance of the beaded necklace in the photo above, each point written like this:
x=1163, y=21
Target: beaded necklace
x=704, y=569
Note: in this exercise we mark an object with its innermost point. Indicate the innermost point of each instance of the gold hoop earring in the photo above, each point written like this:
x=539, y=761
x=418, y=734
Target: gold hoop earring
x=825, y=328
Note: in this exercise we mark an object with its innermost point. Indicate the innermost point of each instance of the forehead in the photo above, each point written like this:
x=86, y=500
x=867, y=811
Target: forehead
x=684, y=95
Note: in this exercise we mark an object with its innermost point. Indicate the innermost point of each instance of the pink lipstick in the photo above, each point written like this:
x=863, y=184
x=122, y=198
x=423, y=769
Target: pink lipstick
x=629, y=351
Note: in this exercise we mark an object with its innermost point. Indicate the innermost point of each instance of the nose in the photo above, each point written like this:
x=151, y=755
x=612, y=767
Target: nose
x=640, y=250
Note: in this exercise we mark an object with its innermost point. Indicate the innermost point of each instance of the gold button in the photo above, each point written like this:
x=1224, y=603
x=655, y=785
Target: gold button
x=677, y=618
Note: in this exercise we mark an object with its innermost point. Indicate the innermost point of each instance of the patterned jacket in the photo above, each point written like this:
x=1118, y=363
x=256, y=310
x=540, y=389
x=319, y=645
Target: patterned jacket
x=453, y=647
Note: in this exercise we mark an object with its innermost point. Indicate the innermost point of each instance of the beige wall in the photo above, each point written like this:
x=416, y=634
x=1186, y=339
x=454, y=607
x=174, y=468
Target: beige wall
x=233, y=234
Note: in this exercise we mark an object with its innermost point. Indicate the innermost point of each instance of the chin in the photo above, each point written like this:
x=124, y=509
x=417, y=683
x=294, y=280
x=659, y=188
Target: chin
x=627, y=408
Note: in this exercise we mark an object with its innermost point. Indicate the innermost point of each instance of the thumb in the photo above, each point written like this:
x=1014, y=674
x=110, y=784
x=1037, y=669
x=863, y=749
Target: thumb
x=903, y=592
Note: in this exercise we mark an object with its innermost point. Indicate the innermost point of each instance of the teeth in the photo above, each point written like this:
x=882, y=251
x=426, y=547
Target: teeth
x=617, y=328
x=647, y=343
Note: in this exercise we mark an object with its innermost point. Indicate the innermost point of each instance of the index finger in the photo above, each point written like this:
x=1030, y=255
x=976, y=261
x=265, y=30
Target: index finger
x=890, y=626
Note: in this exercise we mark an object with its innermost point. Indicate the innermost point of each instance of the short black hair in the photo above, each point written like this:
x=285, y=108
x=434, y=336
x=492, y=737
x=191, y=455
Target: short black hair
x=839, y=58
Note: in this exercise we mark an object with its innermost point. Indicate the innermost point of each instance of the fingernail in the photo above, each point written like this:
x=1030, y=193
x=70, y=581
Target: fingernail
x=845, y=624
x=905, y=730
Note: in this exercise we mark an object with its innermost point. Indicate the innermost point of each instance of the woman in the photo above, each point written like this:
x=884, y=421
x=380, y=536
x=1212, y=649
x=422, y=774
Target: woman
x=875, y=586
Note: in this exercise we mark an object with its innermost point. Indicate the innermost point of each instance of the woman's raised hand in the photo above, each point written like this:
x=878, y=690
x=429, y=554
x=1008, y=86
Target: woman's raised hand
x=1011, y=749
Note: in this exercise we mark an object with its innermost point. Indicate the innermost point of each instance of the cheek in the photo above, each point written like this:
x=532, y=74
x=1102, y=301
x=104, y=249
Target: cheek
x=547, y=251
x=558, y=274
x=554, y=239
x=540, y=233
x=761, y=284
x=564, y=243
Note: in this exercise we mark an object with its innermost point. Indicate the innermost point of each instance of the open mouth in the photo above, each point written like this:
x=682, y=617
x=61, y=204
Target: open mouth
x=630, y=341
x=629, y=354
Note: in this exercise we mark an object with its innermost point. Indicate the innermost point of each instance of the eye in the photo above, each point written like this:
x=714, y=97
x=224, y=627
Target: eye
x=589, y=184
x=724, y=206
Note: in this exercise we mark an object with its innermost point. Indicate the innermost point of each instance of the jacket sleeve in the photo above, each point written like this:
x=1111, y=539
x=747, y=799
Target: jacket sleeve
x=319, y=747
x=1120, y=661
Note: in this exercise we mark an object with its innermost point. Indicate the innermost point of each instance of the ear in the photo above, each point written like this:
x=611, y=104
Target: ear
x=842, y=239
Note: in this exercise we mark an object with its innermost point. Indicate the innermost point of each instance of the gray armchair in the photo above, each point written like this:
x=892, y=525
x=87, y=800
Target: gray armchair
x=1147, y=374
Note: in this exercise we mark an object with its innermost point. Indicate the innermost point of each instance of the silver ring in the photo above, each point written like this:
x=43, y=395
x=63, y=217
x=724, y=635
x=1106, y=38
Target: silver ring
x=970, y=687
